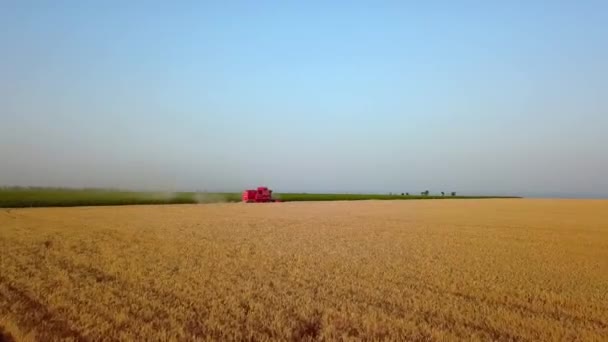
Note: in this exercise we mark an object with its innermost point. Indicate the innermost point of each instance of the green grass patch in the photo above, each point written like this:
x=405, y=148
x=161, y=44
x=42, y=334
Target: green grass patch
x=288, y=197
x=43, y=197
x=59, y=197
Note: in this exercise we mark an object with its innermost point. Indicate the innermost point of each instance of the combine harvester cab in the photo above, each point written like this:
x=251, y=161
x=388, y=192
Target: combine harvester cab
x=261, y=195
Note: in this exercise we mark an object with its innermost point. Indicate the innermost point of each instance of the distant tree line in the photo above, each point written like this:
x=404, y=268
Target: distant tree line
x=427, y=193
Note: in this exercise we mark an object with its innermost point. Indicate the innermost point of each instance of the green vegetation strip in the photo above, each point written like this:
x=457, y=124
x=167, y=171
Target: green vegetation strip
x=292, y=197
x=44, y=197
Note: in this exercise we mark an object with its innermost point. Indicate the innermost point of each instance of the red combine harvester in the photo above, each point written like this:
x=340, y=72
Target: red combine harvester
x=261, y=195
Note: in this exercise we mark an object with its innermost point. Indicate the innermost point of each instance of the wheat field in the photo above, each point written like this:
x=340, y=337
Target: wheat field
x=502, y=269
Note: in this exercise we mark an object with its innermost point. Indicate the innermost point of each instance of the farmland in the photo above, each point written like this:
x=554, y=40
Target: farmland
x=12, y=197
x=500, y=269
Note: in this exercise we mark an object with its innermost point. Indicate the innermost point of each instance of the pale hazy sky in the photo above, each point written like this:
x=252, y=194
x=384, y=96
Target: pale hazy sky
x=482, y=97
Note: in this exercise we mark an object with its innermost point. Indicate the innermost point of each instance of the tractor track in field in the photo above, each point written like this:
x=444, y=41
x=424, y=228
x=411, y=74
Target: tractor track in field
x=9, y=213
x=33, y=314
x=158, y=300
x=5, y=336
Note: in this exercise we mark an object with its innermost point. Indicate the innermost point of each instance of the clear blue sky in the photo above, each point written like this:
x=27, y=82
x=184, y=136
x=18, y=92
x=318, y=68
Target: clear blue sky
x=474, y=96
